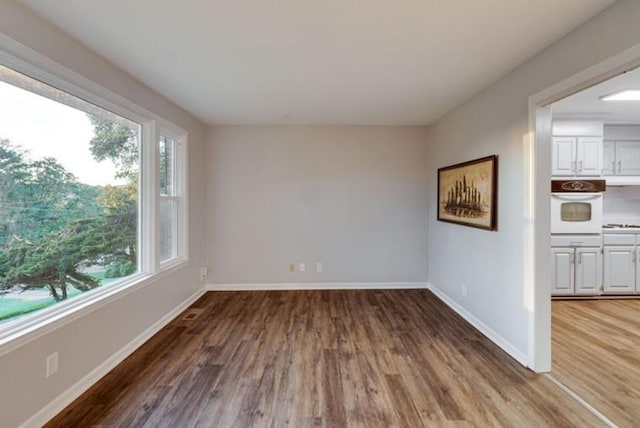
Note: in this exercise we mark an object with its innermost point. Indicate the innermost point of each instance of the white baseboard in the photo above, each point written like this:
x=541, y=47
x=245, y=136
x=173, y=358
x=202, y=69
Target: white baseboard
x=67, y=397
x=481, y=327
x=317, y=286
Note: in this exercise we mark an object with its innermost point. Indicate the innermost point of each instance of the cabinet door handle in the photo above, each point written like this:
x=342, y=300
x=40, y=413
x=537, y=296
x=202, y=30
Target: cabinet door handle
x=619, y=166
x=613, y=167
x=573, y=167
x=580, y=166
x=579, y=258
x=572, y=258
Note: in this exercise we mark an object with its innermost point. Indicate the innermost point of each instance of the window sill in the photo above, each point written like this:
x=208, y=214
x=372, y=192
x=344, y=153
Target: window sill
x=22, y=331
x=172, y=264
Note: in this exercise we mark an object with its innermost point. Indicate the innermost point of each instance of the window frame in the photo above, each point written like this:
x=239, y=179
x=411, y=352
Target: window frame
x=179, y=137
x=16, y=333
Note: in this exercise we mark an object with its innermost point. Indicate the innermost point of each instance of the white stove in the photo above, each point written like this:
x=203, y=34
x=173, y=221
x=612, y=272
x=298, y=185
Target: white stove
x=621, y=228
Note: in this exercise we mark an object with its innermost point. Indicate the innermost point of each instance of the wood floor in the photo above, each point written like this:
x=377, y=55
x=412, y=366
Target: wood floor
x=322, y=359
x=596, y=353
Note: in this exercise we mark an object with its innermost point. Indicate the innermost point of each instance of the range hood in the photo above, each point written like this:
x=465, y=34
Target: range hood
x=628, y=180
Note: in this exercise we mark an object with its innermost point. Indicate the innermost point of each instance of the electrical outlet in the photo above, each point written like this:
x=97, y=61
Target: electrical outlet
x=301, y=267
x=292, y=267
x=463, y=290
x=203, y=273
x=319, y=267
x=52, y=364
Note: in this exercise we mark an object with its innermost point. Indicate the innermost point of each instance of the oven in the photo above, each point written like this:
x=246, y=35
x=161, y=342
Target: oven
x=576, y=206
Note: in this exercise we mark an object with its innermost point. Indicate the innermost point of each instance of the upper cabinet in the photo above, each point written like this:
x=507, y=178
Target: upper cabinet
x=563, y=156
x=577, y=156
x=621, y=158
x=577, y=148
x=621, y=150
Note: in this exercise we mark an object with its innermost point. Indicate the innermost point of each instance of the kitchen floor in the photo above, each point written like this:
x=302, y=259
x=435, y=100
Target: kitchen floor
x=596, y=354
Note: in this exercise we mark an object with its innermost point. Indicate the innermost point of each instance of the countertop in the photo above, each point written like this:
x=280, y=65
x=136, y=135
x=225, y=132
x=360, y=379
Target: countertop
x=621, y=230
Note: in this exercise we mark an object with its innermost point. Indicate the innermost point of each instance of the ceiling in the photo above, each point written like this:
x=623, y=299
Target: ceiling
x=331, y=62
x=588, y=105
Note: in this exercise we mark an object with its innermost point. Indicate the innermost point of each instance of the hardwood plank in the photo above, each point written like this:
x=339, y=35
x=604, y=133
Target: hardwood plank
x=384, y=358
x=332, y=390
x=405, y=410
x=596, y=354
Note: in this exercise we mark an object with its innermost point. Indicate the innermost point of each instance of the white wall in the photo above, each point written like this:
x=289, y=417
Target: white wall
x=353, y=198
x=621, y=205
x=87, y=342
x=621, y=132
x=491, y=264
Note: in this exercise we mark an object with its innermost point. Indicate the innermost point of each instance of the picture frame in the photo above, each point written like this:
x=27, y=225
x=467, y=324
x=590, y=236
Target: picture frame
x=468, y=193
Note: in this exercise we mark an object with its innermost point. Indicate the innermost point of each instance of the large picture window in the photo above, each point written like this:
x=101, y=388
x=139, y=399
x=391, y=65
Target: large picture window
x=71, y=190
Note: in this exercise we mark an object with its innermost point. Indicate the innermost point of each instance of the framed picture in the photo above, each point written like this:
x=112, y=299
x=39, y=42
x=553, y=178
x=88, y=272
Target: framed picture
x=468, y=193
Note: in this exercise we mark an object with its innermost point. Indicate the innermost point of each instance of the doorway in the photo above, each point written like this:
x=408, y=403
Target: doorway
x=593, y=344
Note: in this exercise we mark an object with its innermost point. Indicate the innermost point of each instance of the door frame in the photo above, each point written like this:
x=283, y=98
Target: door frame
x=537, y=170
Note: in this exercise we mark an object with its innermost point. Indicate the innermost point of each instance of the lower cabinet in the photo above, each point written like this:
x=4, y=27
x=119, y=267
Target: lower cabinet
x=588, y=270
x=587, y=265
x=620, y=264
x=576, y=270
x=562, y=271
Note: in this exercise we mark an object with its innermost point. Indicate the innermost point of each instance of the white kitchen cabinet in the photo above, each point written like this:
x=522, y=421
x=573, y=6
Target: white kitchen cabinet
x=637, y=256
x=562, y=271
x=576, y=156
x=619, y=269
x=609, y=158
x=588, y=266
x=621, y=266
x=563, y=156
x=589, y=156
x=576, y=271
x=628, y=157
x=621, y=158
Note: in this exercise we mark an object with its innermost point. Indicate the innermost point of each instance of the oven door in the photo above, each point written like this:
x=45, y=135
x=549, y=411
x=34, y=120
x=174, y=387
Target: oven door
x=576, y=212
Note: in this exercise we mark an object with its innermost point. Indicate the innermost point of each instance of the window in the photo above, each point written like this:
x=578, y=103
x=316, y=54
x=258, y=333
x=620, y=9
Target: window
x=74, y=181
x=170, y=218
